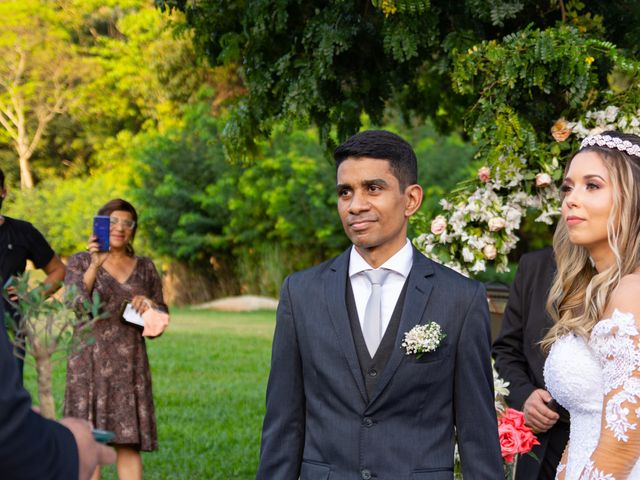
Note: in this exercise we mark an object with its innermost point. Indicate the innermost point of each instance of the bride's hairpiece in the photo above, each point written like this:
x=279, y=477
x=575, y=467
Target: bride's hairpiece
x=613, y=143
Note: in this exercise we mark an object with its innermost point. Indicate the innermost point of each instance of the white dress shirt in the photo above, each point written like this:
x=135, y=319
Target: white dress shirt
x=399, y=264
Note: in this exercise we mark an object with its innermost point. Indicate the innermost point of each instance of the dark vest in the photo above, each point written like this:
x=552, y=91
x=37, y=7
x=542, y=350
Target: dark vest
x=372, y=368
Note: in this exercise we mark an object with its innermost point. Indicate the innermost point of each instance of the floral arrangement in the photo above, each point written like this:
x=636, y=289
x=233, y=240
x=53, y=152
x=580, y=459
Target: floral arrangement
x=480, y=220
x=423, y=339
x=515, y=437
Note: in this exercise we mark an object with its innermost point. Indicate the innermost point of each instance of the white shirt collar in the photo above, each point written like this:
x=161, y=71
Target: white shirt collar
x=401, y=262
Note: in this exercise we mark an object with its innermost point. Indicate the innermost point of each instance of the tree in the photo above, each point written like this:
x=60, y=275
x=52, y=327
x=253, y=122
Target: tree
x=38, y=70
x=504, y=73
x=47, y=329
x=327, y=62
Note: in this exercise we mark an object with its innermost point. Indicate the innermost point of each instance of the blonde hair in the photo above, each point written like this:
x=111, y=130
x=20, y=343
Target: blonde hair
x=579, y=294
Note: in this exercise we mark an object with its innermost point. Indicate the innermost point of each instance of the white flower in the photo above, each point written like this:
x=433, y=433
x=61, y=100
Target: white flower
x=500, y=391
x=479, y=266
x=467, y=255
x=423, y=339
x=445, y=204
x=622, y=123
x=610, y=113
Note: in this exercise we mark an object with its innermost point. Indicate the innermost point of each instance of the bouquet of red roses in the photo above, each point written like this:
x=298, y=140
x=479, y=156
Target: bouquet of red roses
x=515, y=437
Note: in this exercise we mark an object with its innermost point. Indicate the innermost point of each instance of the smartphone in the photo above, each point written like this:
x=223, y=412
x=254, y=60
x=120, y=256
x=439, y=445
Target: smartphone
x=553, y=405
x=101, y=226
x=102, y=436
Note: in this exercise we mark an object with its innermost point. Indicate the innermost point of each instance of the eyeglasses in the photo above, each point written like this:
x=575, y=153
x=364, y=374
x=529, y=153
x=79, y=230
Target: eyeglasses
x=128, y=224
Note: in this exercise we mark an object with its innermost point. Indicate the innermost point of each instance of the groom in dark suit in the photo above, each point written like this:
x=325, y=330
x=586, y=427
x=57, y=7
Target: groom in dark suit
x=345, y=401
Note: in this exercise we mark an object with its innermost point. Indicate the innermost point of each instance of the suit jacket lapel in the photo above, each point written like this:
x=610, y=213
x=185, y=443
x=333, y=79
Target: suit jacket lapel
x=335, y=294
x=418, y=291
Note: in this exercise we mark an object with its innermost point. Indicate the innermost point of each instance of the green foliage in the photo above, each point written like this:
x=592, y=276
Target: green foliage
x=326, y=64
x=197, y=207
x=133, y=70
x=63, y=209
x=39, y=69
x=288, y=199
x=521, y=85
x=181, y=188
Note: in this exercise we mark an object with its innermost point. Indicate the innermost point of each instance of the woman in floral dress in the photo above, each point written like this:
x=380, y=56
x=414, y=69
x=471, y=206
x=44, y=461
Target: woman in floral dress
x=109, y=380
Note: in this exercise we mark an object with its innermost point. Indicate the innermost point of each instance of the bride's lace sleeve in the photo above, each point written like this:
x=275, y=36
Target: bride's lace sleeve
x=616, y=342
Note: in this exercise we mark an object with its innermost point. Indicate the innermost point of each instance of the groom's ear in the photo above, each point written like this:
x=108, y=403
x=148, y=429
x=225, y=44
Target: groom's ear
x=413, y=194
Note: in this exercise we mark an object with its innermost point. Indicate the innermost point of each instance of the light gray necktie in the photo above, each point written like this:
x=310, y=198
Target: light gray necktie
x=372, y=325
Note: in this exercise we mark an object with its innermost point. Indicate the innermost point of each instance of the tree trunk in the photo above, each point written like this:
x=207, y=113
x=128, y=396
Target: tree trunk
x=26, y=179
x=45, y=386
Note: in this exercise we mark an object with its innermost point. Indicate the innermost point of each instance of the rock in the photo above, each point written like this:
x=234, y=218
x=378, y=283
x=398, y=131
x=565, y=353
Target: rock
x=242, y=303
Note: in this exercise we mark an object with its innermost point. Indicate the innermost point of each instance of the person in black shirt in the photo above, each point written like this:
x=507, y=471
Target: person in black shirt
x=520, y=360
x=20, y=241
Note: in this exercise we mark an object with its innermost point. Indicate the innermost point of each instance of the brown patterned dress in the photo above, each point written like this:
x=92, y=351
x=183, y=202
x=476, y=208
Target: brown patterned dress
x=109, y=382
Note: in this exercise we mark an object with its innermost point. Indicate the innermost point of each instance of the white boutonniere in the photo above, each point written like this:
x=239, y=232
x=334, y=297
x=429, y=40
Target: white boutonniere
x=423, y=339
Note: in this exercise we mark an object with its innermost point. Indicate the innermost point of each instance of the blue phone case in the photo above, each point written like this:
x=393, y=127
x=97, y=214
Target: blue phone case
x=102, y=436
x=101, y=226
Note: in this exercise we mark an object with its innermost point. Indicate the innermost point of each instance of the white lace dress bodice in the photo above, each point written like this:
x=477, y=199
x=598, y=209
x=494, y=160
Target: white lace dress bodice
x=582, y=376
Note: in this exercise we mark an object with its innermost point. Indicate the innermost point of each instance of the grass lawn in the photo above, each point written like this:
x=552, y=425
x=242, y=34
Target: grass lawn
x=209, y=377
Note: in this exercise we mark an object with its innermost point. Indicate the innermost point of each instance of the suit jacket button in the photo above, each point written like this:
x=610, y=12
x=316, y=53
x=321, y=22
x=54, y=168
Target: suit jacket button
x=367, y=422
x=372, y=372
x=365, y=474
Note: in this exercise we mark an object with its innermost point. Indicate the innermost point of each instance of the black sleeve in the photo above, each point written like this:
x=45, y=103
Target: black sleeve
x=30, y=446
x=40, y=252
x=508, y=349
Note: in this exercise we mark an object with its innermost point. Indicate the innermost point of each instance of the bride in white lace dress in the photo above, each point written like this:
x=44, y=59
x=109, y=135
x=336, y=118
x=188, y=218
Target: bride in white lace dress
x=593, y=367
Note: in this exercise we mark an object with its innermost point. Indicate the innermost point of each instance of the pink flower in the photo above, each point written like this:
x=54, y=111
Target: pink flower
x=509, y=441
x=484, y=174
x=515, y=436
x=489, y=251
x=513, y=417
x=438, y=225
x=496, y=224
x=543, y=180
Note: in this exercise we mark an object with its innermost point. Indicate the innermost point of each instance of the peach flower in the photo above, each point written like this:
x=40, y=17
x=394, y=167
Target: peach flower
x=543, y=180
x=484, y=174
x=561, y=130
x=438, y=225
x=490, y=252
x=496, y=224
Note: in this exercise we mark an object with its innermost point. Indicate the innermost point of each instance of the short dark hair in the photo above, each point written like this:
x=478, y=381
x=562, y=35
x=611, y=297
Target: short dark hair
x=382, y=145
x=118, y=204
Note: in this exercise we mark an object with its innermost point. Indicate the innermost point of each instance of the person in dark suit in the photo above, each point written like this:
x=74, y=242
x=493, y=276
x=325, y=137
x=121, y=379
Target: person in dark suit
x=345, y=399
x=32, y=447
x=520, y=361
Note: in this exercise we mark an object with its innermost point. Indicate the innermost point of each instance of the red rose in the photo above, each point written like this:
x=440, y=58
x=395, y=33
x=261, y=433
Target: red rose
x=515, y=436
x=509, y=441
x=514, y=417
x=527, y=440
